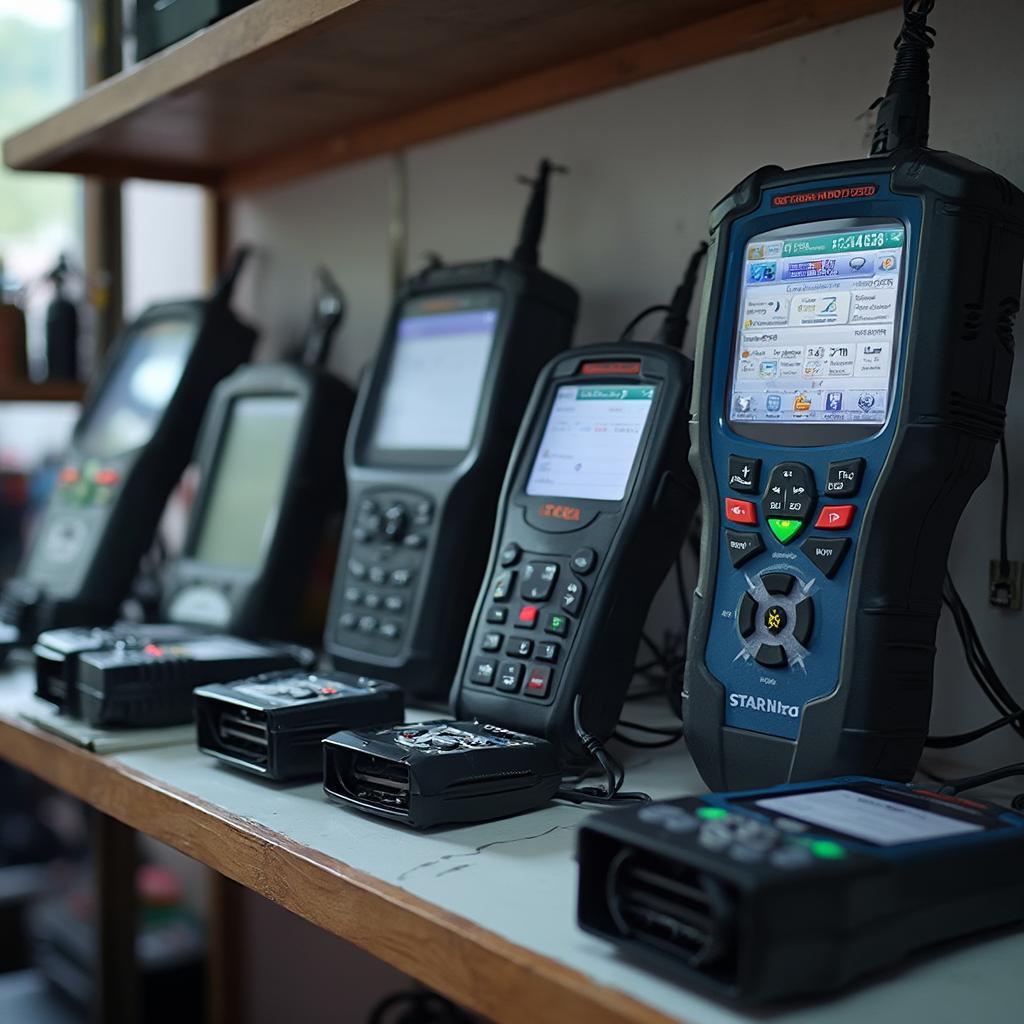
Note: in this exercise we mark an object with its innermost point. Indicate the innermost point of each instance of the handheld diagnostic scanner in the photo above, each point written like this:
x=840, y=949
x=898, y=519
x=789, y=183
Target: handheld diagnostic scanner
x=271, y=475
x=128, y=450
x=774, y=893
x=431, y=436
x=597, y=502
x=852, y=370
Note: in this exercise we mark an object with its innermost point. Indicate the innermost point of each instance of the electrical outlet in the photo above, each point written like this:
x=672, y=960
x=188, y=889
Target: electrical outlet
x=1006, y=590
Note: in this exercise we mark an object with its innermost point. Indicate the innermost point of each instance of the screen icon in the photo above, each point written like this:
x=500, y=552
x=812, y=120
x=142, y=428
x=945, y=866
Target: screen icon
x=773, y=403
x=866, y=401
x=768, y=368
x=834, y=401
x=801, y=403
x=743, y=403
x=762, y=272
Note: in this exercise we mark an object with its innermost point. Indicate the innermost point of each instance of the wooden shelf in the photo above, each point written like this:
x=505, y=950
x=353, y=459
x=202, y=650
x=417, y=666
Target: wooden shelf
x=49, y=391
x=484, y=914
x=286, y=87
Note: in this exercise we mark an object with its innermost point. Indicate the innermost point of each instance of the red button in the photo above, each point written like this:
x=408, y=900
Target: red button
x=737, y=511
x=537, y=681
x=69, y=475
x=154, y=650
x=835, y=517
x=106, y=477
x=528, y=615
x=328, y=691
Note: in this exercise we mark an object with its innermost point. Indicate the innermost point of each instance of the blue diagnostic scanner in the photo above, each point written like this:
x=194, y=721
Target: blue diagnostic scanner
x=853, y=364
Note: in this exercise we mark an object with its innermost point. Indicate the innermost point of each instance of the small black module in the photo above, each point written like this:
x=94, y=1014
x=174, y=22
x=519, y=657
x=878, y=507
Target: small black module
x=437, y=773
x=273, y=724
x=153, y=685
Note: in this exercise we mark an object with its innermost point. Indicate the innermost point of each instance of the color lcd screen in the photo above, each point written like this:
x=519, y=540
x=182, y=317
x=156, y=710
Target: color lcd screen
x=431, y=395
x=134, y=397
x=819, y=314
x=249, y=475
x=590, y=441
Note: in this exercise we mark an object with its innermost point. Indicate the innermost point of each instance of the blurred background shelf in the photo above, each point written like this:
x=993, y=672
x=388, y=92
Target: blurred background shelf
x=356, y=78
x=49, y=391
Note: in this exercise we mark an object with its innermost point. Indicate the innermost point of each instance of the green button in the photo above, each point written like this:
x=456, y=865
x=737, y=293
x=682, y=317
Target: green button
x=557, y=624
x=712, y=813
x=785, y=529
x=827, y=850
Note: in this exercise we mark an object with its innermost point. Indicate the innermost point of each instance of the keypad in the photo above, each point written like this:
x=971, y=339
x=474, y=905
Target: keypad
x=539, y=603
x=787, y=505
x=388, y=538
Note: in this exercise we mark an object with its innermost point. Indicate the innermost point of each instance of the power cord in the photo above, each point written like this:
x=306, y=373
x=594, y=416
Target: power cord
x=614, y=773
x=952, y=787
x=627, y=331
x=981, y=668
x=902, y=119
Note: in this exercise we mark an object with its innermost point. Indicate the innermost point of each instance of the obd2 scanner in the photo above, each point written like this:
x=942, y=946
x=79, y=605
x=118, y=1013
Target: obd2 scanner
x=852, y=371
x=128, y=451
x=270, y=461
x=431, y=434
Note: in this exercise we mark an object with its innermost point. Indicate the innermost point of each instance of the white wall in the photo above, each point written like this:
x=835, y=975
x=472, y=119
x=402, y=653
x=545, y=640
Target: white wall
x=648, y=161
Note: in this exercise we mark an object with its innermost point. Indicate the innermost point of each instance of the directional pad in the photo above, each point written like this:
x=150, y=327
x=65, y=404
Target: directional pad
x=775, y=620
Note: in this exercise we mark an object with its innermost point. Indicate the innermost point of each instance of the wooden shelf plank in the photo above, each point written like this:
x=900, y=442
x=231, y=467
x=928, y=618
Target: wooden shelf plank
x=286, y=87
x=473, y=965
x=484, y=914
x=48, y=391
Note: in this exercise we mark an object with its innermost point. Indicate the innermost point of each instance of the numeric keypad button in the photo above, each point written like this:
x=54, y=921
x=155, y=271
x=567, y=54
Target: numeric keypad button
x=503, y=584
x=826, y=553
x=482, y=670
x=547, y=651
x=539, y=580
x=844, y=478
x=742, y=546
x=510, y=676
x=744, y=474
x=570, y=597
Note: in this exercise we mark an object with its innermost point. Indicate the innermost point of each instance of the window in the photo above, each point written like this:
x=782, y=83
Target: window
x=40, y=214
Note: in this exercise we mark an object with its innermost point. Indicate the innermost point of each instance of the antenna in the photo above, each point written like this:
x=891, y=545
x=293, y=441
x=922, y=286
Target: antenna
x=527, y=250
x=226, y=282
x=329, y=311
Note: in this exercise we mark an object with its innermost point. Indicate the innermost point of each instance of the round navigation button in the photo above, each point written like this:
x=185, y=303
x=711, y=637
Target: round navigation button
x=583, y=561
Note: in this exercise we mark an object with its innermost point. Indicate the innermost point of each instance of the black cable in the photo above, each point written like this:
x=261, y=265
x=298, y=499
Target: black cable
x=960, y=739
x=627, y=331
x=615, y=775
x=677, y=319
x=978, y=662
x=902, y=119
x=1008, y=771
